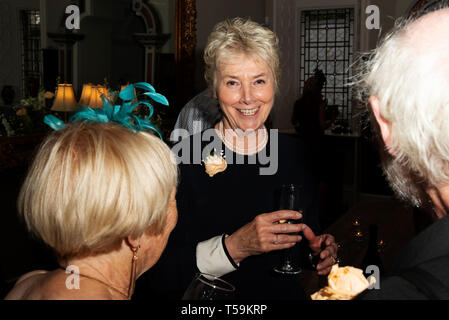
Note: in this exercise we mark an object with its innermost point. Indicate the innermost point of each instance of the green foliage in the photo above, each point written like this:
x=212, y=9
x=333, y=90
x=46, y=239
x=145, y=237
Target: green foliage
x=25, y=118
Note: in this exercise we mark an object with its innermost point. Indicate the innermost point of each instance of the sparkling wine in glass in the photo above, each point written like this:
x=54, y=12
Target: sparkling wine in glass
x=208, y=287
x=289, y=199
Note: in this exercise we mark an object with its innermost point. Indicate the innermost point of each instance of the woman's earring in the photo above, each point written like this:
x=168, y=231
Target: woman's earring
x=132, y=282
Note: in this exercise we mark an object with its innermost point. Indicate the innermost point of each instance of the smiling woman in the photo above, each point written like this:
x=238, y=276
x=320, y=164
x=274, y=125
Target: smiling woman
x=227, y=227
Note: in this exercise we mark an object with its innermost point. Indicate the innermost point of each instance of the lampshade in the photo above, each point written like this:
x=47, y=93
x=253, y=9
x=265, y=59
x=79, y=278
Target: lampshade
x=95, y=99
x=65, y=98
x=86, y=93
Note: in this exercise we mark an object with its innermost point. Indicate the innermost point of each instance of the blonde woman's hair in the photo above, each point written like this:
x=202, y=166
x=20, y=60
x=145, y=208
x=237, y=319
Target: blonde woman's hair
x=92, y=185
x=411, y=84
x=237, y=36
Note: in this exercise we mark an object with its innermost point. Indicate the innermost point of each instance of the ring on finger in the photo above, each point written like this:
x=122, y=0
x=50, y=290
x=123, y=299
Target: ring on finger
x=276, y=242
x=336, y=260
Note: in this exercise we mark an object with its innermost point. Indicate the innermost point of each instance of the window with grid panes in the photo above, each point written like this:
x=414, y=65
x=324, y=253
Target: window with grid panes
x=327, y=38
x=31, y=52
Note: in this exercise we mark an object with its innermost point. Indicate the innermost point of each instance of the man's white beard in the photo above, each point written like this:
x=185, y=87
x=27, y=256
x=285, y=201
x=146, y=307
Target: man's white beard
x=403, y=182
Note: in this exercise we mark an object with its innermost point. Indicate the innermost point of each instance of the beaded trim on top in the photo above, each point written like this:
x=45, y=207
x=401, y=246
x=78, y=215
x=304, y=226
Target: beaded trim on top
x=258, y=140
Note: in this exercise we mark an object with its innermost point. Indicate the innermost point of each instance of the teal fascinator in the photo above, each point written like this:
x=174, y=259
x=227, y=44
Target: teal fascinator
x=121, y=114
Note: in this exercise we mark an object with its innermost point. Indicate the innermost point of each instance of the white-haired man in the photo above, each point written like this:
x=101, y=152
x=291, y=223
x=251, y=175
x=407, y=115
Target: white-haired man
x=407, y=81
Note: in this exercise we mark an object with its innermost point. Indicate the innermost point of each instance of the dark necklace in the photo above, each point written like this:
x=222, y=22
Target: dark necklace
x=102, y=282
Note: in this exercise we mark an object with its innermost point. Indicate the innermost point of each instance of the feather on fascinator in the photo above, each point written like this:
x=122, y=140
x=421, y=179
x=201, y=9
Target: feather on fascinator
x=121, y=114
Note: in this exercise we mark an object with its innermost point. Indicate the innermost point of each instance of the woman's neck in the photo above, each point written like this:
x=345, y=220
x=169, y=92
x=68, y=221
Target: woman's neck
x=111, y=271
x=247, y=142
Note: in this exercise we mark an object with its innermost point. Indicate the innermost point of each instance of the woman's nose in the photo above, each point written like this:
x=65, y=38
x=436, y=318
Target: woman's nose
x=247, y=96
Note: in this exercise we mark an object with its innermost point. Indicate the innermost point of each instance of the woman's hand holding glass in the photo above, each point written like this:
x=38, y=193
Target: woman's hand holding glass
x=264, y=234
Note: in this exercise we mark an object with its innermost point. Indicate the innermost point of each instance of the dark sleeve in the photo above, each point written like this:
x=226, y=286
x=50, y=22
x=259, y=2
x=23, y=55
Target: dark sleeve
x=170, y=276
x=310, y=198
x=310, y=219
x=311, y=190
x=295, y=167
x=392, y=288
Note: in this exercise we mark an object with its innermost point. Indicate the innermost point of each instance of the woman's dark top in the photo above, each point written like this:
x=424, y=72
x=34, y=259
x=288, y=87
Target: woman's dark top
x=211, y=206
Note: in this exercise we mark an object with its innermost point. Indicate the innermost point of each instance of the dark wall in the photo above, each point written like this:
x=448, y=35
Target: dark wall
x=209, y=13
x=21, y=252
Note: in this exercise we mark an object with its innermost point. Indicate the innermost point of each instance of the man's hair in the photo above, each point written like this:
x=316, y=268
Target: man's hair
x=237, y=36
x=92, y=185
x=411, y=84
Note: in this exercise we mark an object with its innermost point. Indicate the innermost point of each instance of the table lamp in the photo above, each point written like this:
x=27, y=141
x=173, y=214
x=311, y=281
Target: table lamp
x=95, y=99
x=86, y=94
x=65, y=99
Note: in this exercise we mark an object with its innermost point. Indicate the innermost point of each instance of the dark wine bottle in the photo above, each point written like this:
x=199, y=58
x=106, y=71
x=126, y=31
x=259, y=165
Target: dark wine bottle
x=372, y=256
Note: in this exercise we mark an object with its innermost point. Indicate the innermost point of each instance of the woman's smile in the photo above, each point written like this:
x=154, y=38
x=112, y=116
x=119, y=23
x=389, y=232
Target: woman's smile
x=249, y=112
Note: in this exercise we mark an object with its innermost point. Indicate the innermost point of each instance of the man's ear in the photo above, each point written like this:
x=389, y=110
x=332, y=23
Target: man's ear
x=384, y=124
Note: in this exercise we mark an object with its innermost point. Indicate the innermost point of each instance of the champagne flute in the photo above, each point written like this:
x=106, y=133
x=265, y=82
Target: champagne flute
x=289, y=199
x=208, y=287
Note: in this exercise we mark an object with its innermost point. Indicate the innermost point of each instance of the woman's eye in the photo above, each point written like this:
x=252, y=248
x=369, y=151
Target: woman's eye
x=232, y=83
x=260, y=81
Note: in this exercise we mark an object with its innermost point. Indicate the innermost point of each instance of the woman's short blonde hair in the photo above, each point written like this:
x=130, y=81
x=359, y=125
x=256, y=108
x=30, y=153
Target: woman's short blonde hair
x=236, y=36
x=92, y=185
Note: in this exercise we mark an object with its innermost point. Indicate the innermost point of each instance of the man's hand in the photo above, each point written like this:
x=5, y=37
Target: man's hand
x=323, y=245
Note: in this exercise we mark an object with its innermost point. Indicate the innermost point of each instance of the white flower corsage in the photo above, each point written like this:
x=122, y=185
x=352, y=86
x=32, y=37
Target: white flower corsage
x=215, y=163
